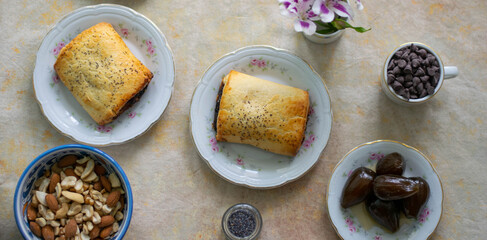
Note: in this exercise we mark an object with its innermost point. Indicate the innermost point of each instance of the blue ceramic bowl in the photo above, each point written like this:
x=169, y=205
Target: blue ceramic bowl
x=44, y=161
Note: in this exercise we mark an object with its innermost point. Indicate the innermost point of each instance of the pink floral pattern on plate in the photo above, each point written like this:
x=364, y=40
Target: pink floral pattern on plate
x=377, y=237
x=124, y=31
x=214, y=145
x=423, y=217
x=350, y=225
x=150, y=48
x=104, y=128
x=57, y=49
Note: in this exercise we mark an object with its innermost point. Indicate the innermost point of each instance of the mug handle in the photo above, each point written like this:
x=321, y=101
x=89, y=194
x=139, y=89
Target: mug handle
x=450, y=72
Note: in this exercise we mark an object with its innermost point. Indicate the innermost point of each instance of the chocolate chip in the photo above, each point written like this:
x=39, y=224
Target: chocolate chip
x=408, y=84
x=396, y=70
x=408, y=69
x=425, y=78
x=431, y=59
x=419, y=87
x=391, y=65
x=430, y=90
x=390, y=79
x=436, y=64
x=398, y=54
x=400, y=79
x=416, y=81
x=413, y=56
x=402, y=92
x=427, y=85
x=414, y=48
x=437, y=76
x=412, y=90
x=401, y=63
x=423, y=93
x=397, y=86
x=422, y=53
x=408, y=78
x=415, y=63
x=419, y=72
x=431, y=71
x=433, y=82
x=425, y=62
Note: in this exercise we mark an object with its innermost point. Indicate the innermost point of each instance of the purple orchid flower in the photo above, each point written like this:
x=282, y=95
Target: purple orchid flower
x=301, y=9
x=327, y=9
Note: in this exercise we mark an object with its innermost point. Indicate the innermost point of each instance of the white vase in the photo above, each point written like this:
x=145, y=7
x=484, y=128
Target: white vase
x=324, y=38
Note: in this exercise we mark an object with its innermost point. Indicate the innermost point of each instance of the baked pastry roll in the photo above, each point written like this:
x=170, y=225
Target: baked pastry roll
x=101, y=72
x=261, y=113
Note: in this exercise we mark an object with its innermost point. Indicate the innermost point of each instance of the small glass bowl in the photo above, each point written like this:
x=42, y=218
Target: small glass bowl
x=249, y=208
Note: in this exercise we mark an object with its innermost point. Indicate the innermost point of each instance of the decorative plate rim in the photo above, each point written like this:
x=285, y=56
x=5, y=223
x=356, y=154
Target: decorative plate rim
x=371, y=143
x=158, y=31
x=191, y=119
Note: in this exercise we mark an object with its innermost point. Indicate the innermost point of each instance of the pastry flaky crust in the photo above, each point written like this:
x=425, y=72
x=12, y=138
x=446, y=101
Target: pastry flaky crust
x=101, y=72
x=261, y=113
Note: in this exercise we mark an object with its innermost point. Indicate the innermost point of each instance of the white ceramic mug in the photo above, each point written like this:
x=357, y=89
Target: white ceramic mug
x=445, y=73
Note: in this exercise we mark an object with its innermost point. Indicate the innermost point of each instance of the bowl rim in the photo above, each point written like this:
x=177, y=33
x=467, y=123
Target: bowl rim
x=387, y=141
x=128, y=189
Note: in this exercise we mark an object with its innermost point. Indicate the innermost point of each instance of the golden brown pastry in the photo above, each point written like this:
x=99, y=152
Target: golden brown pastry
x=261, y=113
x=101, y=72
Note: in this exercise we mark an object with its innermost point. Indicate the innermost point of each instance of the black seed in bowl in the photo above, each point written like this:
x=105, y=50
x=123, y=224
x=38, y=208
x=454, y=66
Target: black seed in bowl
x=241, y=223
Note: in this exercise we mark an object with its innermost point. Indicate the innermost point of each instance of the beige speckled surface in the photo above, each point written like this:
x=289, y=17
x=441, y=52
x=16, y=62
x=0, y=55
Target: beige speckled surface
x=182, y=198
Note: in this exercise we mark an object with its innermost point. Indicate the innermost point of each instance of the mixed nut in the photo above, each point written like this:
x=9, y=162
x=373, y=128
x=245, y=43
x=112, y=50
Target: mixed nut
x=386, y=193
x=76, y=199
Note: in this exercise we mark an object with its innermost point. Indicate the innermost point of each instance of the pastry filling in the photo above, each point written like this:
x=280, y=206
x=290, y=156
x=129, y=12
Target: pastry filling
x=217, y=106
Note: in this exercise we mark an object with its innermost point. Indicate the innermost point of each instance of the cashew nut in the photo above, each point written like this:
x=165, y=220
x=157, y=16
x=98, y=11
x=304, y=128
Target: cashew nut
x=54, y=223
x=106, y=209
x=74, y=209
x=68, y=182
x=56, y=230
x=89, y=225
x=91, y=177
x=63, y=199
x=78, y=170
x=63, y=221
x=78, y=186
x=85, y=229
x=85, y=236
x=61, y=213
x=114, y=181
x=88, y=169
x=78, y=218
x=98, y=205
x=115, y=227
x=119, y=216
x=34, y=202
x=87, y=210
x=41, y=221
x=96, y=195
x=115, y=209
x=96, y=218
x=83, y=160
x=49, y=215
x=58, y=189
x=63, y=175
x=41, y=197
x=73, y=196
x=44, y=185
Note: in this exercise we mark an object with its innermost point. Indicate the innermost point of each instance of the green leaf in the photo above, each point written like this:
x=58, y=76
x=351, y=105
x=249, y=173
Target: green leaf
x=342, y=24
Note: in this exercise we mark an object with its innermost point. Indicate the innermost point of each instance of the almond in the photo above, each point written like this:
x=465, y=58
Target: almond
x=36, y=230
x=106, y=232
x=48, y=232
x=67, y=161
x=95, y=232
x=113, y=198
x=122, y=203
x=97, y=186
x=107, y=220
x=70, y=172
x=71, y=228
x=55, y=179
x=106, y=184
x=52, y=202
x=31, y=213
x=100, y=170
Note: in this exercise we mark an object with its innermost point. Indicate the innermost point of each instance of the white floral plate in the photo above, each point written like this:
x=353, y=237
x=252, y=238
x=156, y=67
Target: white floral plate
x=244, y=164
x=145, y=41
x=350, y=225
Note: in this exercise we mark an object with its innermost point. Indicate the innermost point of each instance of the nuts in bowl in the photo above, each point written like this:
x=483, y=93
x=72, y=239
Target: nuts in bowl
x=73, y=191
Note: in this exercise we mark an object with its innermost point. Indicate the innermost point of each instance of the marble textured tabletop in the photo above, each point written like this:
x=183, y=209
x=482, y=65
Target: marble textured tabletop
x=178, y=197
